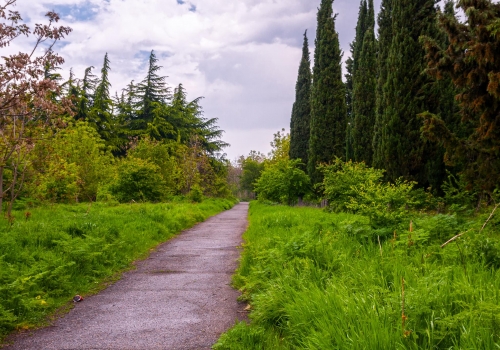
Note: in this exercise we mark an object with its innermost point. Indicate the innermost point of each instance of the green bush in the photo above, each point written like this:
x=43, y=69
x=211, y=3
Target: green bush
x=282, y=182
x=456, y=195
x=196, y=194
x=75, y=163
x=59, y=183
x=138, y=180
x=356, y=188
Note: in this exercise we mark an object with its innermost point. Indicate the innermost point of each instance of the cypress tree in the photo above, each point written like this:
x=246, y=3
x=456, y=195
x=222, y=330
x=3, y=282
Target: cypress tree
x=301, y=111
x=328, y=106
x=384, y=21
x=351, y=66
x=361, y=27
x=406, y=93
x=349, y=151
x=364, y=89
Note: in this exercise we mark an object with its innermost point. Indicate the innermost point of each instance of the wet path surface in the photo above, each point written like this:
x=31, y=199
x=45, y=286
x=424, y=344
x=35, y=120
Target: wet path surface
x=178, y=298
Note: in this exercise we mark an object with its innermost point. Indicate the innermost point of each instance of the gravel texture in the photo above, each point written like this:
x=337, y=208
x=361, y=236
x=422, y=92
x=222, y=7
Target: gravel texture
x=178, y=298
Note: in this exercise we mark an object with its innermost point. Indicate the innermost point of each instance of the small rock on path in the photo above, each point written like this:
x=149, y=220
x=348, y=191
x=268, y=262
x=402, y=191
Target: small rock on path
x=178, y=298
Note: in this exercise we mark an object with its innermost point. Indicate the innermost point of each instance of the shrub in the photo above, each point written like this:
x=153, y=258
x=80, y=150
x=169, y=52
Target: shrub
x=138, y=180
x=282, y=182
x=196, y=194
x=359, y=189
x=456, y=195
x=59, y=183
x=341, y=181
x=70, y=165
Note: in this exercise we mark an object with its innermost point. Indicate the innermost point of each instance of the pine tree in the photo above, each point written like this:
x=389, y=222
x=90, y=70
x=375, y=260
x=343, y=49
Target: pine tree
x=151, y=94
x=189, y=123
x=85, y=100
x=384, y=21
x=328, y=106
x=100, y=112
x=123, y=117
x=70, y=87
x=364, y=86
x=406, y=94
x=301, y=111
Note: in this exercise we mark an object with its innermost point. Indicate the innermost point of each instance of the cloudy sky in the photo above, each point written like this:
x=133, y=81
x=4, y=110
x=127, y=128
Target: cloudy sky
x=241, y=55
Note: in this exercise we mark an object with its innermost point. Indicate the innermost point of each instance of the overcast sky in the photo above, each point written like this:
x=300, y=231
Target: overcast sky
x=241, y=55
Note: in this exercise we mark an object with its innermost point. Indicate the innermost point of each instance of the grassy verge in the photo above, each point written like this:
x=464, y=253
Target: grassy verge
x=317, y=280
x=52, y=253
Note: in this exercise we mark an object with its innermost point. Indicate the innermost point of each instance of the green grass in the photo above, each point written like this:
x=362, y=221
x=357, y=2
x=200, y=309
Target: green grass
x=63, y=250
x=317, y=280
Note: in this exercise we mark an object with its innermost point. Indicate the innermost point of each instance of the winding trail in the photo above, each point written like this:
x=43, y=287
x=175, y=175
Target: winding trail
x=178, y=298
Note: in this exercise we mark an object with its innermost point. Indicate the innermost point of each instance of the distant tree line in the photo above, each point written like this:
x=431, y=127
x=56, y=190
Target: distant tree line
x=421, y=100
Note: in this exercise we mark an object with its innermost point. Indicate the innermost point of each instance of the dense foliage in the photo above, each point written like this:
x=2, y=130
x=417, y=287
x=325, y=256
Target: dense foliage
x=470, y=59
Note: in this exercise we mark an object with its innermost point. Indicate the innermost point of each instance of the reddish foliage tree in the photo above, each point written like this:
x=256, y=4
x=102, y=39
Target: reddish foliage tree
x=28, y=100
x=471, y=61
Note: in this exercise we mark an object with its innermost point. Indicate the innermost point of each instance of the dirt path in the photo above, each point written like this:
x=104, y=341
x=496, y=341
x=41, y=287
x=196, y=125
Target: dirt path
x=178, y=298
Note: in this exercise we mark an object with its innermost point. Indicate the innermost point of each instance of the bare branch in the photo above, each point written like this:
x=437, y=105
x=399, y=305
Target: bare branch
x=489, y=218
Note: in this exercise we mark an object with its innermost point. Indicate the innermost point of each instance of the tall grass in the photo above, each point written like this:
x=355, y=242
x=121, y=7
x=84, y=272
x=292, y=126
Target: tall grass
x=317, y=280
x=49, y=254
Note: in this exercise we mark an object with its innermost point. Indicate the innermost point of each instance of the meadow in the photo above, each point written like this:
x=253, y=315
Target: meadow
x=320, y=280
x=51, y=253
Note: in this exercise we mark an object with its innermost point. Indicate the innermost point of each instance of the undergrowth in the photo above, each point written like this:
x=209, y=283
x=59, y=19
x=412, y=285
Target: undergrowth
x=50, y=254
x=318, y=280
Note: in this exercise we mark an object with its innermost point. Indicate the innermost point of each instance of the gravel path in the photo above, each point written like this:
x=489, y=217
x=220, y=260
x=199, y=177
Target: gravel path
x=178, y=298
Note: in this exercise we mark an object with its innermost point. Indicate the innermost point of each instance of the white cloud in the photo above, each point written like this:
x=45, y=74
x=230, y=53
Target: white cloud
x=243, y=56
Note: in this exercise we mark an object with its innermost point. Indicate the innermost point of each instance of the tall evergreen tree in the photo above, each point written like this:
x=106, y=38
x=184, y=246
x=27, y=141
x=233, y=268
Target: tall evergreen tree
x=70, y=87
x=189, y=123
x=406, y=93
x=86, y=98
x=100, y=113
x=384, y=21
x=364, y=88
x=328, y=106
x=361, y=27
x=301, y=111
x=151, y=94
x=349, y=151
x=351, y=66
x=468, y=58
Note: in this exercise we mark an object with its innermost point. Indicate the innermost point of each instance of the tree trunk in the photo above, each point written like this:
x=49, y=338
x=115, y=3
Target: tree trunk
x=1, y=189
